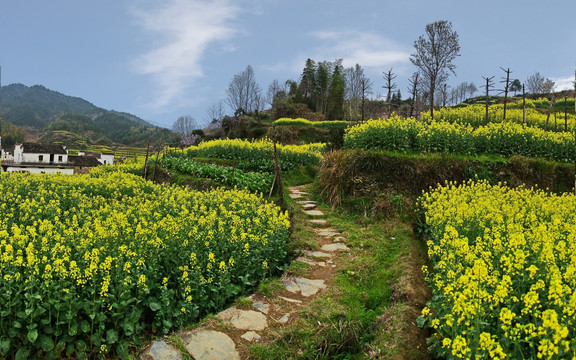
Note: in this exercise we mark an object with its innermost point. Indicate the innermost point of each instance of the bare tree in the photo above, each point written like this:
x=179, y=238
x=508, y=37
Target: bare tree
x=548, y=86
x=243, y=93
x=275, y=91
x=358, y=87
x=390, y=85
x=506, y=82
x=414, y=91
x=215, y=112
x=442, y=95
x=435, y=52
x=489, y=84
x=184, y=125
x=535, y=83
x=366, y=90
x=471, y=89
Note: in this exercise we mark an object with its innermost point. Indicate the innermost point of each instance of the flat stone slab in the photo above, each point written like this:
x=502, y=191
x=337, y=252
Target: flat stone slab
x=335, y=247
x=291, y=286
x=313, y=212
x=244, y=319
x=210, y=345
x=161, y=350
x=309, y=287
x=295, y=195
x=307, y=207
x=251, y=336
x=310, y=262
x=339, y=239
x=327, y=233
x=318, y=221
x=261, y=306
x=307, y=202
x=318, y=254
x=284, y=319
x=305, y=260
x=294, y=301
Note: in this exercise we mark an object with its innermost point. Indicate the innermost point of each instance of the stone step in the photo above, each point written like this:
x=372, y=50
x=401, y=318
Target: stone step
x=335, y=247
x=244, y=319
x=309, y=206
x=319, y=222
x=251, y=336
x=317, y=254
x=293, y=301
x=306, y=287
x=313, y=213
x=160, y=350
x=311, y=262
x=327, y=232
x=209, y=345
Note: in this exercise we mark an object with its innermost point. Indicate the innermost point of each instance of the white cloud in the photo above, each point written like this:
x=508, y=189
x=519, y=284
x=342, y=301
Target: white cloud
x=367, y=49
x=563, y=83
x=183, y=30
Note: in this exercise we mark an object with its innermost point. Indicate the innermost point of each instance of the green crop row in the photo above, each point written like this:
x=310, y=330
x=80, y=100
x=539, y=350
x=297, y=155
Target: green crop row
x=252, y=181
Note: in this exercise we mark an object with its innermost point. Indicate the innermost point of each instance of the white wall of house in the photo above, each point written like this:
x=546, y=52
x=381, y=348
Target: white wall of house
x=18, y=153
x=106, y=159
x=43, y=158
x=39, y=170
x=6, y=156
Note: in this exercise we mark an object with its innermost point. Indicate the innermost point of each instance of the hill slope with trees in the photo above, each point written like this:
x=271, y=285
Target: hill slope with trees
x=40, y=114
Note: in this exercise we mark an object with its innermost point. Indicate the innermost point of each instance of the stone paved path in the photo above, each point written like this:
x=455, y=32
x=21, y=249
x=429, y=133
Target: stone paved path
x=219, y=340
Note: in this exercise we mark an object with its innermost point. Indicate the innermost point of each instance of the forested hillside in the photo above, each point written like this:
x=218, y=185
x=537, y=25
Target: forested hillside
x=41, y=114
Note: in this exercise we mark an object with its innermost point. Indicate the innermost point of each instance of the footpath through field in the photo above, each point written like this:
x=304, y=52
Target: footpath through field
x=227, y=336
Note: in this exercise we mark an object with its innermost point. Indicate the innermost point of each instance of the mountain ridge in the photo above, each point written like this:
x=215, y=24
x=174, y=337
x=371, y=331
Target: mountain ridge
x=50, y=116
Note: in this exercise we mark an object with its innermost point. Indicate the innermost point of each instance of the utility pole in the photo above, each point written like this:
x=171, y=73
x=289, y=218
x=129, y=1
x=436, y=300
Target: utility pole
x=0, y=113
x=506, y=82
x=523, y=105
x=489, y=83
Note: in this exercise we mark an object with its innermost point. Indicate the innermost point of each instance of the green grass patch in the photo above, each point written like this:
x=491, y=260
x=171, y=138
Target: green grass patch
x=341, y=322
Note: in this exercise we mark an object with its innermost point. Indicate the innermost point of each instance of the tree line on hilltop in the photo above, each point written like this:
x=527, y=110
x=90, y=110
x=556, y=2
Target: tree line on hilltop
x=326, y=90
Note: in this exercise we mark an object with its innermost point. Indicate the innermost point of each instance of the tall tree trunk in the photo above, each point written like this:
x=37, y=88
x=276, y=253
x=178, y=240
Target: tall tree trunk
x=565, y=113
x=523, y=105
x=432, y=90
x=549, y=112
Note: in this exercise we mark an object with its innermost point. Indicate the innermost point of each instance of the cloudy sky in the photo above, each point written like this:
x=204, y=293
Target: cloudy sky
x=161, y=59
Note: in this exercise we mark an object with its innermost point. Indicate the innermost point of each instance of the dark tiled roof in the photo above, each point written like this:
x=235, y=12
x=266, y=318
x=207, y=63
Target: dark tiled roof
x=9, y=150
x=84, y=161
x=43, y=148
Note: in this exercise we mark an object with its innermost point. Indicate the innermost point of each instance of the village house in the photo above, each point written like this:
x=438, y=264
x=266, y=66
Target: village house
x=49, y=159
x=103, y=158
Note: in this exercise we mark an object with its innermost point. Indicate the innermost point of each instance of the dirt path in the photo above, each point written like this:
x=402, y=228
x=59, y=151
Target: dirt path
x=232, y=330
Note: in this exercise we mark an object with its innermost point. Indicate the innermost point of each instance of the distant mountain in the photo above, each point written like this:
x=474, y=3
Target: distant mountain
x=55, y=117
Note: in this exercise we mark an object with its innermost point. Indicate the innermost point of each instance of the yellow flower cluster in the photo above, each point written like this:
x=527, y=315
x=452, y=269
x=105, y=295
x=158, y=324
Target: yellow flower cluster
x=506, y=139
x=475, y=115
x=503, y=271
x=128, y=249
x=257, y=155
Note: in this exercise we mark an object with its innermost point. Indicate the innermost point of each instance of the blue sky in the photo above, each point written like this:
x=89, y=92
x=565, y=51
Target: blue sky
x=161, y=59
